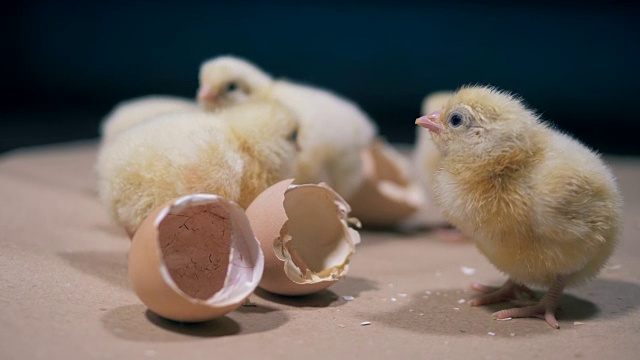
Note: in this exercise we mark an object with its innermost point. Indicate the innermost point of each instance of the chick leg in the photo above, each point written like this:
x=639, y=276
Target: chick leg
x=509, y=291
x=545, y=308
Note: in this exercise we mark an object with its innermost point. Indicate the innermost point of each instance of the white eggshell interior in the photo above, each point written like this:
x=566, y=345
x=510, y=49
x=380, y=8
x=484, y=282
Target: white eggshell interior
x=317, y=242
x=208, y=252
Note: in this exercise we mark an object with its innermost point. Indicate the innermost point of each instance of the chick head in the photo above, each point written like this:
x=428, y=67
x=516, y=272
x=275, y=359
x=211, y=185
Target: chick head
x=228, y=80
x=478, y=121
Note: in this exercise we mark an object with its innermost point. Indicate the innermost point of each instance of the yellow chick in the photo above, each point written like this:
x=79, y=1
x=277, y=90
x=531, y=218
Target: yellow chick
x=333, y=130
x=235, y=153
x=134, y=111
x=543, y=208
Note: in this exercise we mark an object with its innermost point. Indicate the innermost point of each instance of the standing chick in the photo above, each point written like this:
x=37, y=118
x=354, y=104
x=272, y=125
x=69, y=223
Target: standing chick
x=333, y=130
x=235, y=153
x=134, y=111
x=543, y=208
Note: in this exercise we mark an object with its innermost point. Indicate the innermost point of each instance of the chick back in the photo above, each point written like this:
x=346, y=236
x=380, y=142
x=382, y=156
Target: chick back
x=333, y=133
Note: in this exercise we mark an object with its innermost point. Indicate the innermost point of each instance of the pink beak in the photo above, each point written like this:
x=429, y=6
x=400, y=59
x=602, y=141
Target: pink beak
x=205, y=93
x=431, y=122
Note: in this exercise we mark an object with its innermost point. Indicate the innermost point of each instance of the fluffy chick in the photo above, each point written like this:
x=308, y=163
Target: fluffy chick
x=543, y=208
x=235, y=153
x=333, y=130
x=134, y=111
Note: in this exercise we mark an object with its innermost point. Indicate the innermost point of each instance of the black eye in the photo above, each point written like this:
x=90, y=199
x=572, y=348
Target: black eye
x=293, y=137
x=455, y=120
x=232, y=86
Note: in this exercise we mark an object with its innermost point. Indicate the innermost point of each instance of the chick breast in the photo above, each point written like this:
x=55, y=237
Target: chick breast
x=425, y=161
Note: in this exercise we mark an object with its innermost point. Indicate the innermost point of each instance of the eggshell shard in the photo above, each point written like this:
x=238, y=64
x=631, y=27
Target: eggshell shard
x=195, y=258
x=306, y=236
x=387, y=196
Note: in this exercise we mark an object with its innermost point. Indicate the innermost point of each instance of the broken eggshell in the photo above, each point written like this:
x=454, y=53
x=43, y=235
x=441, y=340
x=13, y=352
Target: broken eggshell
x=305, y=235
x=195, y=258
x=388, y=195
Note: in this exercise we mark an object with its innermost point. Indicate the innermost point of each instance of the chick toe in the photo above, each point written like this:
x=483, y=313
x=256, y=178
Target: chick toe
x=508, y=291
x=545, y=308
x=541, y=310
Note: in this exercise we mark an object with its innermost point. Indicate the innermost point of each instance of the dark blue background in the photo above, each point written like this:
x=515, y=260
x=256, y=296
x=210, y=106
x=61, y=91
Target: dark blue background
x=66, y=63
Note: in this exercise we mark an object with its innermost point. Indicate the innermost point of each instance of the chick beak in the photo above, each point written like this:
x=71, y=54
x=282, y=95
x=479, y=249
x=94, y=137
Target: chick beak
x=206, y=93
x=431, y=122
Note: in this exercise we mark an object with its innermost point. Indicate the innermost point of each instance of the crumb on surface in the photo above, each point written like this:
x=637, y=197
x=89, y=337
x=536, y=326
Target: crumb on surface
x=467, y=270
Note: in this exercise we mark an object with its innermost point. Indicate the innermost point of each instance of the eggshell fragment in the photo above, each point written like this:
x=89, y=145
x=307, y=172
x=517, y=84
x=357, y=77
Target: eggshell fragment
x=195, y=258
x=306, y=237
x=387, y=195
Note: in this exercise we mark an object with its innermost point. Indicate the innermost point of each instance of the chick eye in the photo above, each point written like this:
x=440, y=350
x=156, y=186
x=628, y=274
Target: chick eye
x=293, y=137
x=455, y=120
x=232, y=86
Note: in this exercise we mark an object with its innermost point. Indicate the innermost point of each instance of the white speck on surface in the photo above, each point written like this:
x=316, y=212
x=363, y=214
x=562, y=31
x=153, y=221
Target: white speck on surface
x=365, y=323
x=348, y=297
x=428, y=292
x=421, y=314
x=410, y=310
x=390, y=285
x=456, y=308
x=512, y=334
x=614, y=267
x=461, y=301
x=149, y=353
x=505, y=319
x=467, y=270
x=341, y=325
x=402, y=295
x=491, y=333
x=394, y=299
x=576, y=323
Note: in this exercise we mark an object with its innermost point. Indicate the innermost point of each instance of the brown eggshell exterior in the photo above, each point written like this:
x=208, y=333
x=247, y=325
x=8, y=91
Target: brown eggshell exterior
x=267, y=216
x=150, y=286
x=371, y=206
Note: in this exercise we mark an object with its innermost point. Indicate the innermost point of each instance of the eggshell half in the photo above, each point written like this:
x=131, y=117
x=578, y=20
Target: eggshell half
x=388, y=195
x=195, y=258
x=306, y=237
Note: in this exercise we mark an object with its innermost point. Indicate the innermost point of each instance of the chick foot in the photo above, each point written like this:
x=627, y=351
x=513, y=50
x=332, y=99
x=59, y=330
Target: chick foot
x=544, y=309
x=509, y=291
